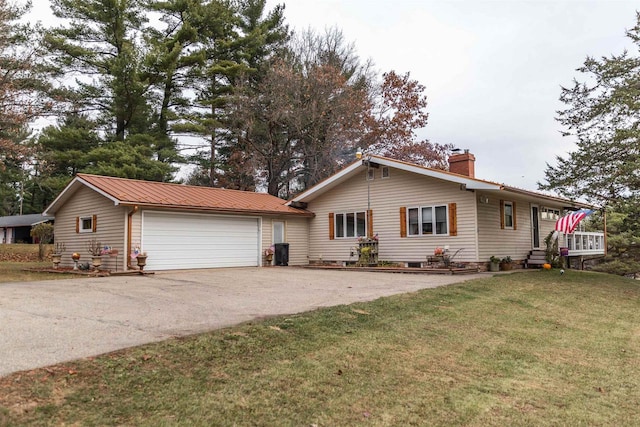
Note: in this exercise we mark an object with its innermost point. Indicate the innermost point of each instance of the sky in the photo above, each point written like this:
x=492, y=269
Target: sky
x=493, y=70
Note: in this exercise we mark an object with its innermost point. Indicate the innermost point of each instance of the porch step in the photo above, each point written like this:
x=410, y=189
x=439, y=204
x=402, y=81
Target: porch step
x=536, y=257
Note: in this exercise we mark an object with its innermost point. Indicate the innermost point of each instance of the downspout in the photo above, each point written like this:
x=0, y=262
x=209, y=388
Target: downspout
x=129, y=227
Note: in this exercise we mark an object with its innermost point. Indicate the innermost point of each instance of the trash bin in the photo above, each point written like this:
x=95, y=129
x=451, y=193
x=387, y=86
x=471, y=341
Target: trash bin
x=282, y=254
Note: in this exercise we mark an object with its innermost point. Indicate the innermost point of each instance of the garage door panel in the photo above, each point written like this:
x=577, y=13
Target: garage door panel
x=175, y=241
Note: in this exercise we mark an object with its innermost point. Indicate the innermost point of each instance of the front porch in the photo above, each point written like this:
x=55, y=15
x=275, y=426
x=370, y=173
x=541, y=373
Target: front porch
x=583, y=243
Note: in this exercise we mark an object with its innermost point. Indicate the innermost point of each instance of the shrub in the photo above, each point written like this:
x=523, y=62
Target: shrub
x=619, y=267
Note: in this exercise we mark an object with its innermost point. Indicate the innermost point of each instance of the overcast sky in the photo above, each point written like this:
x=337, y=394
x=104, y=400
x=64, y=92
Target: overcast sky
x=492, y=69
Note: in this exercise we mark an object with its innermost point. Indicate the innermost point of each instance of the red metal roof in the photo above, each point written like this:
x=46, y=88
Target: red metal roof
x=160, y=194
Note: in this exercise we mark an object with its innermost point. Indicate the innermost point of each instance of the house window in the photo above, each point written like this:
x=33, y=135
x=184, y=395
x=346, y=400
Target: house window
x=427, y=220
x=385, y=172
x=508, y=214
x=549, y=214
x=371, y=173
x=351, y=224
x=86, y=224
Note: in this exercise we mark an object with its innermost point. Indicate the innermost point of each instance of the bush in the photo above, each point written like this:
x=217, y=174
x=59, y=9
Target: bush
x=44, y=233
x=619, y=267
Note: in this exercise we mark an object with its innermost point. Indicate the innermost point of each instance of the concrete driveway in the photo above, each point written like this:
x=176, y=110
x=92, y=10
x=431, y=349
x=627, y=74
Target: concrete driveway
x=48, y=322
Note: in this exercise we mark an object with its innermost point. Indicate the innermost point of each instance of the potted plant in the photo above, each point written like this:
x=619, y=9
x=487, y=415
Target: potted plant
x=95, y=249
x=268, y=254
x=56, y=256
x=506, y=263
x=494, y=263
x=142, y=260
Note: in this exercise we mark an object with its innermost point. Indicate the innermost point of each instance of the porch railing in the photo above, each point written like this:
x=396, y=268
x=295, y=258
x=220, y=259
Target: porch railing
x=585, y=243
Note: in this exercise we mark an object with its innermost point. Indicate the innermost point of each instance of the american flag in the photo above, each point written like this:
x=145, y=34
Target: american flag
x=568, y=223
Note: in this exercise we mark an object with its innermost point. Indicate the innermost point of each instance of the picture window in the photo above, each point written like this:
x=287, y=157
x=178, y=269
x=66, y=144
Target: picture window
x=351, y=224
x=427, y=220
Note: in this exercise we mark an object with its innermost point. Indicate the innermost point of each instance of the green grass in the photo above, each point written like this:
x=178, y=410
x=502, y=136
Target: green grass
x=523, y=349
x=16, y=260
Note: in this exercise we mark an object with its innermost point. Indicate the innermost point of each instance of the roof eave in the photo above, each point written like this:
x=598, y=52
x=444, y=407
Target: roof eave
x=71, y=188
x=352, y=169
x=301, y=213
x=556, y=199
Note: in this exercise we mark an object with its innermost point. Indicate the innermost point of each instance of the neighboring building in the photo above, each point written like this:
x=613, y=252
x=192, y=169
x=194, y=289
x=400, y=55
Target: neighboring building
x=17, y=228
x=412, y=209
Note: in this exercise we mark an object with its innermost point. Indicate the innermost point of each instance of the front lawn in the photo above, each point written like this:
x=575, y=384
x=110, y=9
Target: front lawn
x=16, y=260
x=523, y=349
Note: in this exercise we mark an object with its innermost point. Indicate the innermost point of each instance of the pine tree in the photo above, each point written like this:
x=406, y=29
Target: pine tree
x=603, y=116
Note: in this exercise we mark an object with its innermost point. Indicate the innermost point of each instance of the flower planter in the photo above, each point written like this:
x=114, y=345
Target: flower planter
x=56, y=259
x=142, y=261
x=96, y=261
x=494, y=266
x=506, y=266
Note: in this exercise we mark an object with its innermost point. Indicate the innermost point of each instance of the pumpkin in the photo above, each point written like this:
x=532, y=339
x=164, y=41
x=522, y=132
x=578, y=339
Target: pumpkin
x=546, y=266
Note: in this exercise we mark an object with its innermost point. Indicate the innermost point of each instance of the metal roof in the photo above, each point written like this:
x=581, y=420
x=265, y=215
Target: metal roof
x=132, y=192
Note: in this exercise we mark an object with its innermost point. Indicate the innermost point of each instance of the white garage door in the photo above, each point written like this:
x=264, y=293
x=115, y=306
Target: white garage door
x=181, y=241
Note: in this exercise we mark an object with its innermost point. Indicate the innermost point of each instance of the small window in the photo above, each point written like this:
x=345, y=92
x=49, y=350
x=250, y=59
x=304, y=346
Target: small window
x=371, y=173
x=351, y=224
x=86, y=224
x=549, y=214
x=385, y=172
x=508, y=215
x=428, y=220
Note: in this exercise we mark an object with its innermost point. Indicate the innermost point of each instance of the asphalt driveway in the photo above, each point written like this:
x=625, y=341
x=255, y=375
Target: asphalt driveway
x=48, y=322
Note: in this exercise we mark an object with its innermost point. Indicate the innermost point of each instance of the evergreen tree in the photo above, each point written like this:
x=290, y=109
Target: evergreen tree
x=22, y=84
x=603, y=115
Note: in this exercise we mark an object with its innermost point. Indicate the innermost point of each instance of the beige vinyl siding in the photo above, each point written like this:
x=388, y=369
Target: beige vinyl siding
x=110, y=230
x=387, y=196
x=296, y=234
x=517, y=243
x=495, y=241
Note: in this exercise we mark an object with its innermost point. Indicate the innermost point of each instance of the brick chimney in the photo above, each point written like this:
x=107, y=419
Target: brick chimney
x=463, y=164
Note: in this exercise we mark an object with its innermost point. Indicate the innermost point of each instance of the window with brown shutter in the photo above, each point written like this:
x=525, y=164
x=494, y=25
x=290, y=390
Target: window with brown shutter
x=507, y=215
x=369, y=223
x=94, y=226
x=515, y=221
x=403, y=221
x=332, y=230
x=77, y=224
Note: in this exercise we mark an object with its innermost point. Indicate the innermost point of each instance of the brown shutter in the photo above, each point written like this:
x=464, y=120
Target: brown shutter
x=77, y=224
x=403, y=222
x=369, y=223
x=502, y=214
x=513, y=208
x=95, y=223
x=332, y=225
x=453, y=220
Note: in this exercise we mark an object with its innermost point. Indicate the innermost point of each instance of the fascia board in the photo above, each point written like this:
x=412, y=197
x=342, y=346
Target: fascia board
x=327, y=184
x=70, y=189
x=470, y=183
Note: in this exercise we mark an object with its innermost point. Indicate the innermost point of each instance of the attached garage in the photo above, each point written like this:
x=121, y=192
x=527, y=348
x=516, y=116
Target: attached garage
x=186, y=241
x=177, y=226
